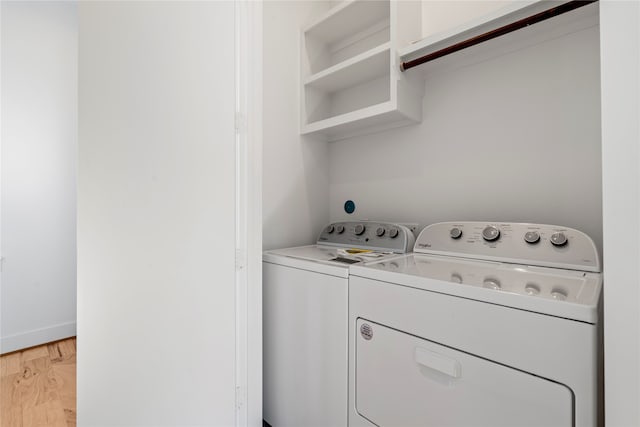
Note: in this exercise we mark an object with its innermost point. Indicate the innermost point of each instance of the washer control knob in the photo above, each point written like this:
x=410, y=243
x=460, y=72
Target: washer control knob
x=491, y=284
x=329, y=229
x=490, y=233
x=532, y=237
x=393, y=233
x=380, y=231
x=455, y=233
x=359, y=229
x=559, y=239
x=558, y=294
x=456, y=278
x=340, y=229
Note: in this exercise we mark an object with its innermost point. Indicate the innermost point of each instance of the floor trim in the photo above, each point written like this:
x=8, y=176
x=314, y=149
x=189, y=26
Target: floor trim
x=36, y=337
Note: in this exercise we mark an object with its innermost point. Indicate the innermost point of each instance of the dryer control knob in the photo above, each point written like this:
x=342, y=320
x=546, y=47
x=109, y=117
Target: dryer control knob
x=340, y=229
x=330, y=229
x=532, y=237
x=455, y=233
x=491, y=283
x=532, y=289
x=359, y=229
x=490, y=233
x=559, y=239
x=393, y=233
x=380, y=231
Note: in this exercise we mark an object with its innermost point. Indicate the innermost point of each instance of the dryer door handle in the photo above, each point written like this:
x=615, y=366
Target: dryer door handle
x=438, y=362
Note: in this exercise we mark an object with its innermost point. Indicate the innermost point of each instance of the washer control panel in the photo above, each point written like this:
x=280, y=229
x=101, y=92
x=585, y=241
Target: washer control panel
x=521, y=243
x=381, y=236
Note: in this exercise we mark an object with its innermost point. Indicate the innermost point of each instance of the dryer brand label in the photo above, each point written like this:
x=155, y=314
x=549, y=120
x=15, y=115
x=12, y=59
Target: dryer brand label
x=366, y=331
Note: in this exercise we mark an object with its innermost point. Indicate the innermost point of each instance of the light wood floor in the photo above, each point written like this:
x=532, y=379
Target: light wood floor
x=38, y=386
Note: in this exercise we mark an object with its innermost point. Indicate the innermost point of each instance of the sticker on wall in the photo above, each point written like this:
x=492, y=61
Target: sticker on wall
x=349, y=206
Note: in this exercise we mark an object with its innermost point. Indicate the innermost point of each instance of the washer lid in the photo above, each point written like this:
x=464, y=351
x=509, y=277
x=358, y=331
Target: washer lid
x=563, y=293
x=323, y=259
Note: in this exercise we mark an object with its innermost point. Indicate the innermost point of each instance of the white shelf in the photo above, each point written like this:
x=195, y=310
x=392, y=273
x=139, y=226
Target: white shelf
x=361, y=68
x=360, y=122
x=506, y=15
x=327, y=124
x=555, y=27
x=346, y=19
x=351, y=83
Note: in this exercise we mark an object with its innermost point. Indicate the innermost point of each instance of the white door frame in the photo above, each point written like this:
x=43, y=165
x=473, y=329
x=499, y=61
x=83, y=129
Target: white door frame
x=248, y=70
x=620, y=106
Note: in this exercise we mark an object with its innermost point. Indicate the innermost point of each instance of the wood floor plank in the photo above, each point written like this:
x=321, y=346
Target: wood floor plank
x=10, y=407
x=54, y=352
x=61, y=350
x=49, y=414
x=10, y=364
x=64, y=376
x=38, y=386
x=8, y=393
x=11, y=417
x=34, y=386
x=67, y=348
x=70, y=417
x=34, y=353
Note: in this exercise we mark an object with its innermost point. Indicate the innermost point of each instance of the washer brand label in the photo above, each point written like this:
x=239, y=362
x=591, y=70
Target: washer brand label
x=366, y=331
x=424, y=245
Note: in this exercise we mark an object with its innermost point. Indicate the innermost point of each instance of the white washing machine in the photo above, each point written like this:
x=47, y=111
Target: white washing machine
x=305, y=336
x=483, y=325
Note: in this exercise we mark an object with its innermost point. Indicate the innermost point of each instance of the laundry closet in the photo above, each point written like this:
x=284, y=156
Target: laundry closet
x=510, y=129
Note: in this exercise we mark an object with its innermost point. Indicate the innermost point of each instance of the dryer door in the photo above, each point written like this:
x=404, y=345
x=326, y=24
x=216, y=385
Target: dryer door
x=402, y=380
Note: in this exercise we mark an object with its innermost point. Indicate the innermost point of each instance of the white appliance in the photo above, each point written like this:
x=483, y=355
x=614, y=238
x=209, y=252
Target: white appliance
x=305, y=291
x=483, y=325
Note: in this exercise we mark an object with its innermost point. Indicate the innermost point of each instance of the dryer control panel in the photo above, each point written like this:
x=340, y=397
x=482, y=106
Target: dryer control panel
x=520, y=243
x=380, y=236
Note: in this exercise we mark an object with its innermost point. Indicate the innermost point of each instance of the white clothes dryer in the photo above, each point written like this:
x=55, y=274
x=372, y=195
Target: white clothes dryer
x=483, y=325
x=305, y=315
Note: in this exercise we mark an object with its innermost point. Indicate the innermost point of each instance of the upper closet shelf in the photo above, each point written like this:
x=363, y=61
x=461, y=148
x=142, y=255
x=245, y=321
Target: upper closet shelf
x=503, y=16
x=573, y=18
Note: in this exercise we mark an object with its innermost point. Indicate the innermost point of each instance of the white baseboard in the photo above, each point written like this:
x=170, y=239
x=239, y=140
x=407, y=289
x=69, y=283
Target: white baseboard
x=37, y=337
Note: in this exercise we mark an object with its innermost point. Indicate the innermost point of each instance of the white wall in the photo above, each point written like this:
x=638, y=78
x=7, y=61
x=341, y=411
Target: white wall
x=513, y=138
x=39, y=143
x=295, y=168
x=620, y=47
x=156, y=214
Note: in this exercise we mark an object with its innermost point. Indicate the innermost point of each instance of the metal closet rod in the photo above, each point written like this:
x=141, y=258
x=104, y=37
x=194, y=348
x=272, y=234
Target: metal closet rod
x=525, y=22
